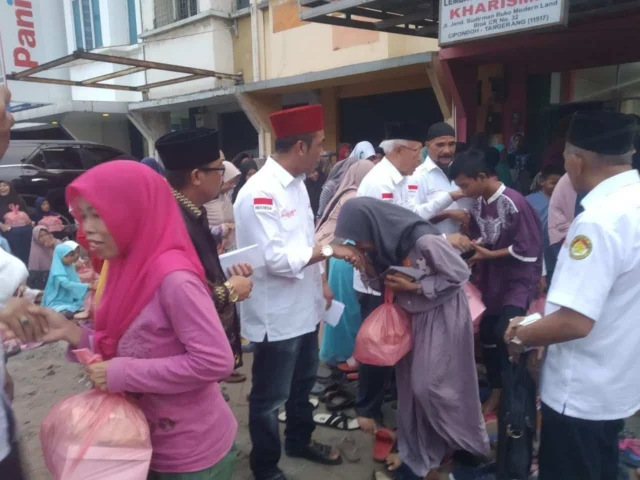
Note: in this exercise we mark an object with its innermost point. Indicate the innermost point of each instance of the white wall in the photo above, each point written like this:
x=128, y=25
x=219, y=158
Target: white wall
x=206, y=43
x=114, y=133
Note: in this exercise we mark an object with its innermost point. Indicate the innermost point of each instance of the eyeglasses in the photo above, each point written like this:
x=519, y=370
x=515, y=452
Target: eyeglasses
x=221, y=169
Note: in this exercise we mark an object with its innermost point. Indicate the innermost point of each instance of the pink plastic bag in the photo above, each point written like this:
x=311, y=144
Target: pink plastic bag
x=52, y=222
x=96, y=436
x=475, y=304
x=16, y=218
x=537, y=306
x=385, y=336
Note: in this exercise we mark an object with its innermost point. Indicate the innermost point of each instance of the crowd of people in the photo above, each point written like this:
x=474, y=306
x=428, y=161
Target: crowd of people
x=422, y=221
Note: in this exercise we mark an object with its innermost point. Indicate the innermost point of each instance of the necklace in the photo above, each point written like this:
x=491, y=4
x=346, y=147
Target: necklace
x=187, y=203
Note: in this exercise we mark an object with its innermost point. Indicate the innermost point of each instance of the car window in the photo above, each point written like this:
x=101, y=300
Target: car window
x=62, y=158
x=37, y=160
x=95, y=155
x=16, y=153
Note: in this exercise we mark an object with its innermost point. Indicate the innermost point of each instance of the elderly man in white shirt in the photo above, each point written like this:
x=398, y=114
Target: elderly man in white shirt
x=440, y=200
x=281, y=317
x=590, y=373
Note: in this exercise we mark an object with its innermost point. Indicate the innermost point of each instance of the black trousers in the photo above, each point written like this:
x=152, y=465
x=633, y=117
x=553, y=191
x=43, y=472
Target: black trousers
x=283, y=373
x=576, y=449
x=494, y=350
x=372, y=380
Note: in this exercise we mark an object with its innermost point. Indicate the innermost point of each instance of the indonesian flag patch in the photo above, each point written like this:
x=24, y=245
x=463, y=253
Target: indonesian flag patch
x=263, y=204
x=387, y=196
x=413, y=188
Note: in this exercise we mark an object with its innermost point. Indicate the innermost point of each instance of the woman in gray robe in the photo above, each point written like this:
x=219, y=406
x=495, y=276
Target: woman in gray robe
x=439, y=407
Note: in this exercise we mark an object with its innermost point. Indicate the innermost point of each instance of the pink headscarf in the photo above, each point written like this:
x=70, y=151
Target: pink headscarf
x=143, y=217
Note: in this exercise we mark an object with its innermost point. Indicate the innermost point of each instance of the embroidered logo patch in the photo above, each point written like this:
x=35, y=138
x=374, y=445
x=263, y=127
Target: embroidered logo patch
x=263, y=204
x=387, y=196
x=580, y=247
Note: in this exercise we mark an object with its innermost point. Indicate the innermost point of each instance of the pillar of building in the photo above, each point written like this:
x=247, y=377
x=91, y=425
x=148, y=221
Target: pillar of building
x=462, y=78
x=258, y=107
x=152, y=125
x=330, y=100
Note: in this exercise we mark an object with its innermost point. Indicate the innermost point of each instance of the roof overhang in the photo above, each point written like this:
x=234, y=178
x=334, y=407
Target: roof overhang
x=419, y=18
x=131, y=66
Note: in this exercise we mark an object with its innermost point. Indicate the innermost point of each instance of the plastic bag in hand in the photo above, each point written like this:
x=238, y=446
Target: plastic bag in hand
x=385, y=336
x=16, y=218
x=96, y=436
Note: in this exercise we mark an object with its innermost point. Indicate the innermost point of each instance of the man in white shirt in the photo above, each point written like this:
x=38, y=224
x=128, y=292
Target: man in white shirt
x=442, y=202
x=589, y=376
x=273, y=211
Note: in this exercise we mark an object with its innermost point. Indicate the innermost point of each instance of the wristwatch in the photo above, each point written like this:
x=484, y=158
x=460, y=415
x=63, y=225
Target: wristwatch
x=233, y=294
x=327, y=251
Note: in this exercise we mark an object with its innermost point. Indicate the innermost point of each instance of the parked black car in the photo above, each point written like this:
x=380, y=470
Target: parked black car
x=44, y=168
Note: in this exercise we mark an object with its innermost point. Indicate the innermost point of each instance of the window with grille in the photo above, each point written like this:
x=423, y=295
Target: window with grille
x=170, y=11
x=86, y=23
x=243, y=4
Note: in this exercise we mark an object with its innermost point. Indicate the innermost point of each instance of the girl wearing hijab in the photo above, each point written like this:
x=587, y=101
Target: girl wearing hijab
x=19, y=238
x=338, y=342
x=43, y=209
x=65, y=292
x=248, y=168
x=220, y=210
x=153, y=164
x=156, y=327
x=438, y=407
x=314, y=183
x=42, y=247
x=363, y=150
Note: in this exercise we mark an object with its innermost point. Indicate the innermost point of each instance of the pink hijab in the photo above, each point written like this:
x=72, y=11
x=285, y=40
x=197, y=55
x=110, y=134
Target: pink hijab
x=142, y=215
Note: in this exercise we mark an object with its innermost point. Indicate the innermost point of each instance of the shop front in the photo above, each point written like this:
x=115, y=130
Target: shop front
x=531, y=83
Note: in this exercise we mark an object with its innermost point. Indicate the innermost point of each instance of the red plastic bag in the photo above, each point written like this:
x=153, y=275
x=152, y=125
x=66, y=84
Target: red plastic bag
x=385, y=336
x=52, y=222
x=16, y=218
x=96, y=436
x=537, y=306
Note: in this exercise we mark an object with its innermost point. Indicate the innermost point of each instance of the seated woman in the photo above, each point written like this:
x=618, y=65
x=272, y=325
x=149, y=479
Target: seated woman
x=438, y=401
x=156, y=326
x=65, y=292
x=18, y=236
x=42, y=246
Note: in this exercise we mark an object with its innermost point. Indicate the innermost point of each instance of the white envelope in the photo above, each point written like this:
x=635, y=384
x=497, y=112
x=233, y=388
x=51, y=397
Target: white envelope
x=332, y=316
x=251, y=255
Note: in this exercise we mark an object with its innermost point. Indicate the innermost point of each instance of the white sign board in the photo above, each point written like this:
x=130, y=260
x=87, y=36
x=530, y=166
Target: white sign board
x=32, y=32
x=465, y=20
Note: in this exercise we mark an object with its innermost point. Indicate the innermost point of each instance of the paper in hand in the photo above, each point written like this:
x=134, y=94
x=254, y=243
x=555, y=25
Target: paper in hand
x=333, y=315
x=251, y=255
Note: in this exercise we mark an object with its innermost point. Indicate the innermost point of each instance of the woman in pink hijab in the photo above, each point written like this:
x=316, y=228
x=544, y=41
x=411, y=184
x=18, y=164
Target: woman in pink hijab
x=155, y=326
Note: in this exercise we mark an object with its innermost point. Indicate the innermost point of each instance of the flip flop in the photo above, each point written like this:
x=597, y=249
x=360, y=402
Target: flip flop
x=339, y=400
x=345, y=367
x=282, y=416
x=315, y=452
x=383, y=444
x=339, y=421
x=349, y=450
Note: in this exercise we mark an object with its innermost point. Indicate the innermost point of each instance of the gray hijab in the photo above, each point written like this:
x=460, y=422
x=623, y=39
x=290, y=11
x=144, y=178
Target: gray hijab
x=392, y=229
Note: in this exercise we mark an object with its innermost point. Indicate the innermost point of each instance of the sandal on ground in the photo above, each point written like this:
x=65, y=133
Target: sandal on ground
x=345, y=367
x=339, y=421
x=282, y=416
x=317, y=453
x=349, y=450
x=383, y=444
x=235, y=377
x=332, y=387
x=339, y=400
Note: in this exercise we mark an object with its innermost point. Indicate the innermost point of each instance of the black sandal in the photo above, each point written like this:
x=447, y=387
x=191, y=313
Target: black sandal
x=317, y=453
x=340, y=400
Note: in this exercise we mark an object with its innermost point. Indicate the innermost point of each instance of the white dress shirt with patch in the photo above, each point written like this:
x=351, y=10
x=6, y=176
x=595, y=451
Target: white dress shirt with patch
x=433, y=195
x=273, y=211
x=598, y=275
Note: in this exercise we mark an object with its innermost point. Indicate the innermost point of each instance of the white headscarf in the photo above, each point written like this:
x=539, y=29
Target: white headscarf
x=13, y=273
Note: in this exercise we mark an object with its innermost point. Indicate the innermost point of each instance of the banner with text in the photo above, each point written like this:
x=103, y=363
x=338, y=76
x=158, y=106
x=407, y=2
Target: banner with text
x=466, y=20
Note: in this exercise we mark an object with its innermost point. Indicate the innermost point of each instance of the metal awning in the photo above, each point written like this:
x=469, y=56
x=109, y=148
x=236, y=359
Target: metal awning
x=419, y=18
x=409, y=17
x=131, y=65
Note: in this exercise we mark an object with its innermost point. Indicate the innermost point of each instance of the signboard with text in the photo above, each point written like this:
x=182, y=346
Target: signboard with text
x=33, y=32
x=468, y=20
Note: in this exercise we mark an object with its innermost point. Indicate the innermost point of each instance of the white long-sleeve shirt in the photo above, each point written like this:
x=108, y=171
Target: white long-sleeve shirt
x=273, y=211
x=434, y=188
